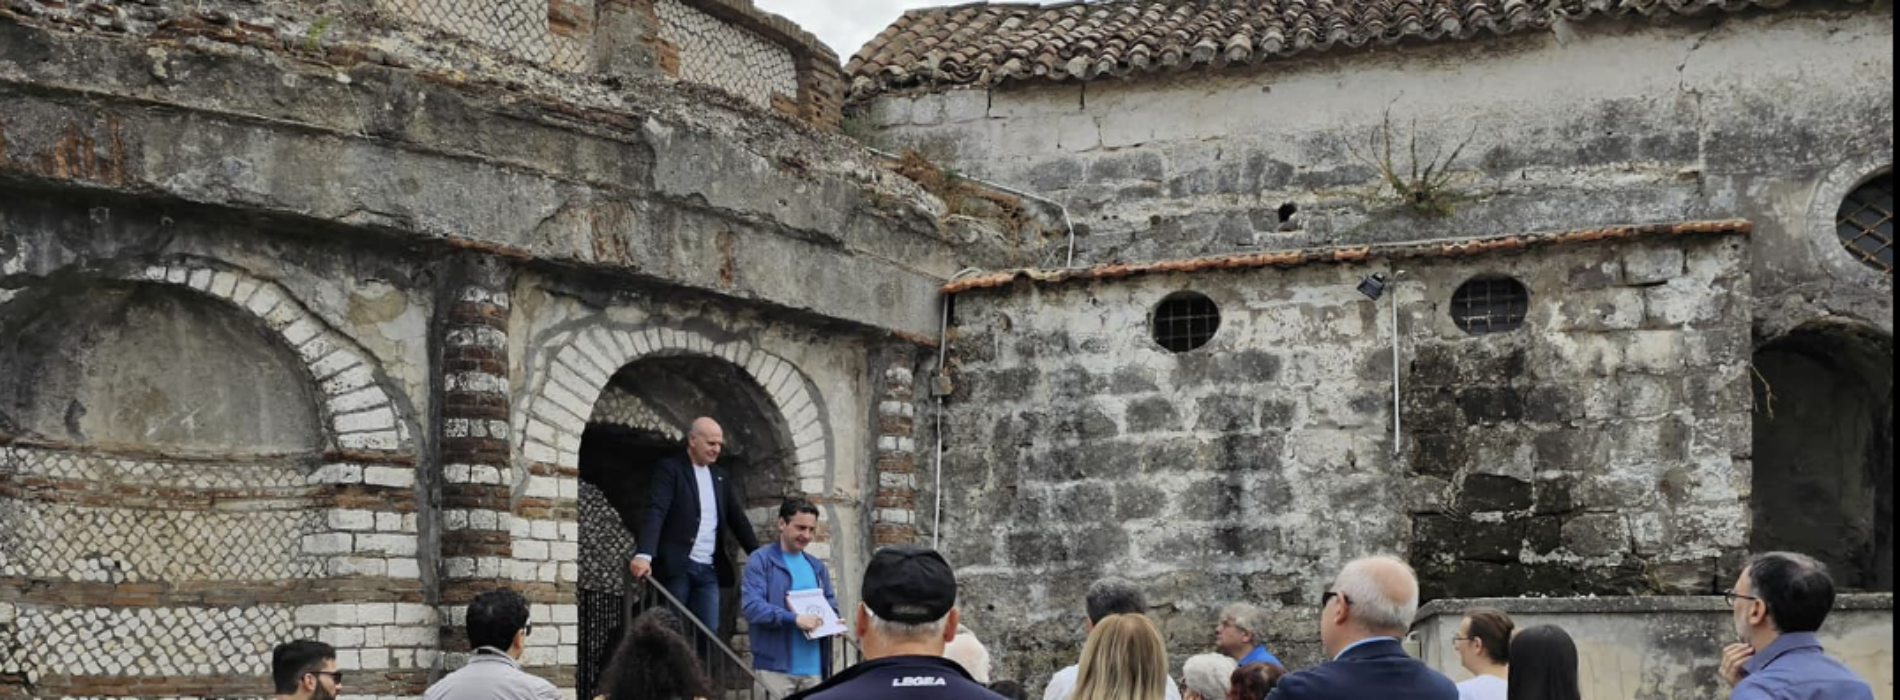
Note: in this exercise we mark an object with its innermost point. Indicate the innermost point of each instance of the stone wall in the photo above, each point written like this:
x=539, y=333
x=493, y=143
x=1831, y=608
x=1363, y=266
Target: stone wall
x=1663, y=648
x=1252, y=468
x=243, y=403
x=1767, y=116
x=758, y=58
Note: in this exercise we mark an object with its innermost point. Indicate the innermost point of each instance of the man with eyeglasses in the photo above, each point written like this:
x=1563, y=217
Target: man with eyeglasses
x=305, y=670
x=1780, y=603
x=1369, y=608
x=498, y=629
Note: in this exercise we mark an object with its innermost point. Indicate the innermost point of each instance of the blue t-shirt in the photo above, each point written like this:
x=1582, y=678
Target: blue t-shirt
x=807, y=660
x=1260, y=655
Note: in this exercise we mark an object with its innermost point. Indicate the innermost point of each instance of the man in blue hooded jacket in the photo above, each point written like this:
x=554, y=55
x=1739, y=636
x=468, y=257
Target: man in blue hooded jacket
x=786, y=660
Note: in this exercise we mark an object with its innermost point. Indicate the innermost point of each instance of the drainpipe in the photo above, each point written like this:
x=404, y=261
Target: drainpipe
x=1398, y=412
x=940, y=388
x=1068, y=222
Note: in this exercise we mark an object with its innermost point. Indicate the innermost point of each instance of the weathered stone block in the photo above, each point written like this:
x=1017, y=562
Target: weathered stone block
x=1683, y=302
x=1127, y=166
x=1055, y=175
x=1226, y=414
x=1483, y=493
x=1078, y=134
x=1653, y=264
x=1490, y=405
x=1609, y=309
x=1597, y=535
x=963, y=105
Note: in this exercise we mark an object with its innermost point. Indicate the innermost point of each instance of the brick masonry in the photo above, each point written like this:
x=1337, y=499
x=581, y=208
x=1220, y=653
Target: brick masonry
x=894, y=513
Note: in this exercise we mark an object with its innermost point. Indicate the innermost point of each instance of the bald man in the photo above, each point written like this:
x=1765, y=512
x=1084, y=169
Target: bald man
x=680, y=544
x=1367, y=611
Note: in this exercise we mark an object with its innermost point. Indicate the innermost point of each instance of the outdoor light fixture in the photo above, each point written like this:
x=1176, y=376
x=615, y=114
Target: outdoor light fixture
x=1374, y=286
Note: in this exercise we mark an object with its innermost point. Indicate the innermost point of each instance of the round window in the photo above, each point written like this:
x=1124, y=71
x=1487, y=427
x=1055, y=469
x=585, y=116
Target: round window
x=1865, y=223
x=1185, y=321
x=1491, y=305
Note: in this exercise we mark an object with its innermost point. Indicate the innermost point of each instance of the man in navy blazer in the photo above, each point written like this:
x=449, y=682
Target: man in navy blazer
x=1368, y=609
x=680, y=543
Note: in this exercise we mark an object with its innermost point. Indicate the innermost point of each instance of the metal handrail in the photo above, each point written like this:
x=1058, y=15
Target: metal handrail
x=706, y=635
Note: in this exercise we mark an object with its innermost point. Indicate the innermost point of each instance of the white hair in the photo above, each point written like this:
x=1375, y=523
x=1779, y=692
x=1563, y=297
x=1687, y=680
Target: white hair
x=1210, y=675
x=1248, y=618
x=904, y=631
x=969, y=653
x=1383, y=592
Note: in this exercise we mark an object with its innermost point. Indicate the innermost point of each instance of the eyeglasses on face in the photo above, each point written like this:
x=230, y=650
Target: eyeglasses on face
x=1327, y=600
x=335, y=676
x=1730, y=596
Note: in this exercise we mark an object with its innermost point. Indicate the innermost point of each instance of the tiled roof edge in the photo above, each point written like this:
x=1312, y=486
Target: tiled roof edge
x=1353, y=254
x=885, y=65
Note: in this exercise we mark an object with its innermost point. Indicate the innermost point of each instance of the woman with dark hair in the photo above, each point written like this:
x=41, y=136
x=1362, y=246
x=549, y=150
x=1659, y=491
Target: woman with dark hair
x=1544, y=665
x=1255, y=681
x=654, y=662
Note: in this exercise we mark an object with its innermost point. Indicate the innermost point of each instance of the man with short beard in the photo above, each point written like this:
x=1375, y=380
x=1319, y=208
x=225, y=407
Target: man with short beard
x=1780, y=603
x=305, y=670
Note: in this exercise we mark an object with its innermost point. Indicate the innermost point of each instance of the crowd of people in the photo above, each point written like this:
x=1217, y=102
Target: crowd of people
x=916, y=647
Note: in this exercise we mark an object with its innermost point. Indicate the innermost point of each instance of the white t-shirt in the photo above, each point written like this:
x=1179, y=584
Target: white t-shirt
x=707, y=542
x=1483, y=688
x=1063, y=685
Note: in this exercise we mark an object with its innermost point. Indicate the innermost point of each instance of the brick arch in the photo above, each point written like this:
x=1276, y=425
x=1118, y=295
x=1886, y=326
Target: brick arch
x=578, y=373
x=358, y=410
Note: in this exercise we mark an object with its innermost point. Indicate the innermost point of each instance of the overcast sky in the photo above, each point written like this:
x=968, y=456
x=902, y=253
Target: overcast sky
x=846, y=25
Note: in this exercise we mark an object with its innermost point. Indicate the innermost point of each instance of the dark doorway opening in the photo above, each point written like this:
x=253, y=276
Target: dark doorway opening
x=1823, y=451
x=642, y=419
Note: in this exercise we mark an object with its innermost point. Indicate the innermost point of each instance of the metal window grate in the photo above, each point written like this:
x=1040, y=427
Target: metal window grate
x=1185, y=322
x=1865, y=224
x=1491, y=305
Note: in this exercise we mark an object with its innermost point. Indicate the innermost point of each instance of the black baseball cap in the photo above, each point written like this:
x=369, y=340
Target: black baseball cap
x=909, y=585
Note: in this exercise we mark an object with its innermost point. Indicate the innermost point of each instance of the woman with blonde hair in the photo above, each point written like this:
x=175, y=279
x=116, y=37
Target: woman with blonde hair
x=1125, y=659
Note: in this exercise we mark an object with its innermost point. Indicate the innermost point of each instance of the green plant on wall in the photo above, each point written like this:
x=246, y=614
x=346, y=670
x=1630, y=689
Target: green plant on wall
x=313, y=39
x=1426, y=185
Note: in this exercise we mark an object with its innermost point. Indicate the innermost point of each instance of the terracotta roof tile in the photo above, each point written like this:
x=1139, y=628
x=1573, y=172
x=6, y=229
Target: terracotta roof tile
x=985, y=44
x=1354, y=254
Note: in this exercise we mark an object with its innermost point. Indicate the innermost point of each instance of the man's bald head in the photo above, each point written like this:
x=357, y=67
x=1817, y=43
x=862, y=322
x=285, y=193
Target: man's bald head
x=704, y=441
x=1383, y=594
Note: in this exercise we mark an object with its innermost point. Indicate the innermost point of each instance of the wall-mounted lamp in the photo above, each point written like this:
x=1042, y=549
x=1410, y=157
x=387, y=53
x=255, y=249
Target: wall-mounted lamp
x=1374, y=286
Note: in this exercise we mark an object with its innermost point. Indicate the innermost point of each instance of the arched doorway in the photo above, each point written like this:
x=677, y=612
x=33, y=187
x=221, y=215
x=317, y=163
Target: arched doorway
x=1823, y=450
x=640, y=419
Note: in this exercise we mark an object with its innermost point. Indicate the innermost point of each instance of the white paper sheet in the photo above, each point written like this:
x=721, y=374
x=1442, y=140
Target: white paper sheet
x=812, y=602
